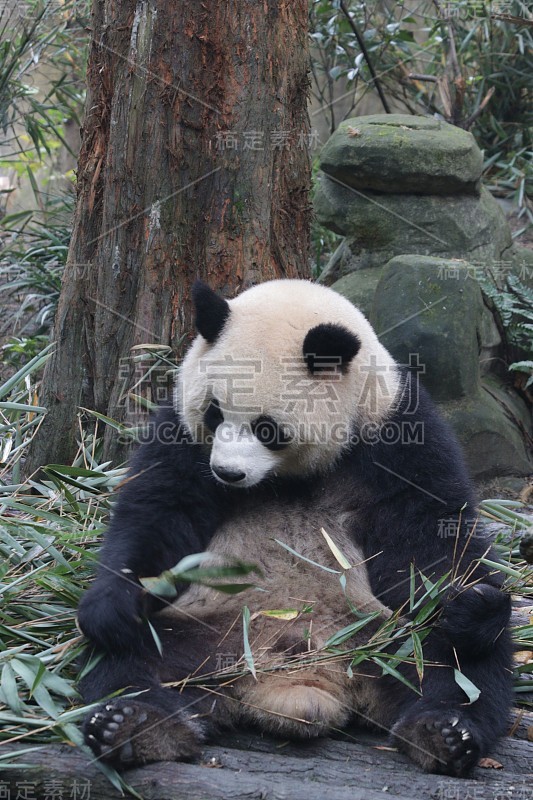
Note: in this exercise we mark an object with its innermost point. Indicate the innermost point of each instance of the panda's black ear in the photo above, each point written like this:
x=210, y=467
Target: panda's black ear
x=329, y=346
x=212, y=311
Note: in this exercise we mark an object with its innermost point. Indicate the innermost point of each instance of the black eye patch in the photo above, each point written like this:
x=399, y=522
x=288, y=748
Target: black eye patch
x=213, y=416
x=269, y=433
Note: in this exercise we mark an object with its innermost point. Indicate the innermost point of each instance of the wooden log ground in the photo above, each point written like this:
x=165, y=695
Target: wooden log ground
x=246, y=766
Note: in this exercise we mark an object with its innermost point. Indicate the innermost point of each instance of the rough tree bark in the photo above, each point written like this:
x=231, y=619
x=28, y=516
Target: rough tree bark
x=247, y=766
x=194, y=163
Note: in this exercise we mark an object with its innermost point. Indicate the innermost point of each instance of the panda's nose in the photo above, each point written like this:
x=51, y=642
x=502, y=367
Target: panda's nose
x=228, y=475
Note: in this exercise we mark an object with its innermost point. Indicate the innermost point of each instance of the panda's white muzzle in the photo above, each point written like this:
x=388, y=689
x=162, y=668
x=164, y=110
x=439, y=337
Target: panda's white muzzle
x=238, y=458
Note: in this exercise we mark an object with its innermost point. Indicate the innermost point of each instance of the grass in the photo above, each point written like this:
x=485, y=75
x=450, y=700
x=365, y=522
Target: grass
x=50, y=530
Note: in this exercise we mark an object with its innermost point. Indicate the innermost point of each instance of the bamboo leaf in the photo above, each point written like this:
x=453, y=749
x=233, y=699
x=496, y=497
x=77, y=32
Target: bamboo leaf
x=32, y=366
x=117, y=426
x=165, y=585
x=412, y=587
x=248, y=655
x=61, y=479
x=395, y=673
x=76, y=472
x=39, y=692
x=10, y=690
x=469, y=688
x=156, y=638
x=24, y=407
x=309, y=561
x=41, y=669
x=339, y=556
x=231, y=588
x=426, y=611
x=350, y=630
x=505, y=568
x=419, y=655
x=283, y=613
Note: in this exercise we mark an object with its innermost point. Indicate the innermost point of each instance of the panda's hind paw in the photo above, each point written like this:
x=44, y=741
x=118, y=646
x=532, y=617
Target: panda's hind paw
x=453, y=744
x=440, y=741
x=128, y=732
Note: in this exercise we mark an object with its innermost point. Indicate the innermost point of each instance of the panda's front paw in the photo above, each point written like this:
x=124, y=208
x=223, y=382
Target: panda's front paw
x=128, y=732
x=110, y=614
x=439, y=741
x=474, y=618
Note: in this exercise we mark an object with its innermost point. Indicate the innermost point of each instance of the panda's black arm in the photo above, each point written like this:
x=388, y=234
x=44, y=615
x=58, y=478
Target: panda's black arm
x=432, y=542
x=473, y=610
x=166, y=510
x=423, y=513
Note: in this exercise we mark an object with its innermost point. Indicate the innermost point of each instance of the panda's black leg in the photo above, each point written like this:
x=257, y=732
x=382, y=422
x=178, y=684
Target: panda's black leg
x=442, y=731
x=157, y=724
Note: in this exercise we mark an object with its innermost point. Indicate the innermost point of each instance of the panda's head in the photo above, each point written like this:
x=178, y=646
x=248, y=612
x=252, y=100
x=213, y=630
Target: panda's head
x=281, y=380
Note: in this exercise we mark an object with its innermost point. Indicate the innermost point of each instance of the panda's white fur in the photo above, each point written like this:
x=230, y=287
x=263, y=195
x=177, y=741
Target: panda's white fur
x=255, y=367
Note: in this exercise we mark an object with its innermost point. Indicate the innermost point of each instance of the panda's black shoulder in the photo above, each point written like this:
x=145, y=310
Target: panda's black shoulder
x=414, y=453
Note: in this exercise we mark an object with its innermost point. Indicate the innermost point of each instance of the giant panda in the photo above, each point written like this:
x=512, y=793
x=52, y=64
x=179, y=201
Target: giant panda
x=290, y=419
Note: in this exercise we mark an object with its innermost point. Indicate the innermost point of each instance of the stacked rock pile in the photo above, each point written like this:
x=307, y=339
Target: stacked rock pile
x=421, y=234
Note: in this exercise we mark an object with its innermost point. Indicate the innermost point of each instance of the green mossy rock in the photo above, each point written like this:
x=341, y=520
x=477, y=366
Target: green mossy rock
x=431, y=309
x=403, y=153
x=492, y=443
x=420, y=235
x=380, y=226
x=491, y=350
x=359, y=288
x=516, y=408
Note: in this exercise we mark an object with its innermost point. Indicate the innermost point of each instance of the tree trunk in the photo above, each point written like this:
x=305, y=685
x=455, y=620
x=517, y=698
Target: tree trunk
x=194, y=163
x=248, y=766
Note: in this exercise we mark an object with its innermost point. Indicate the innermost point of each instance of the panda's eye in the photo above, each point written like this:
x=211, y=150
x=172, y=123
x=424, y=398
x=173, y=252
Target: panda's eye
x=213, y=416
x=269, y=433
